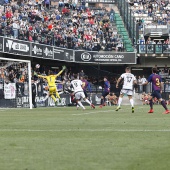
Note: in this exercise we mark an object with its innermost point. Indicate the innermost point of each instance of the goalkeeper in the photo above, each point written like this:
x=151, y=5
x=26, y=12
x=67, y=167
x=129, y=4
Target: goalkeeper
x=51, y=83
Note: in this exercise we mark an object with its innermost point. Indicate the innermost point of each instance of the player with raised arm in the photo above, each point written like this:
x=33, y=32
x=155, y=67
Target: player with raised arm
x=128, y=81
x=79, y=93
x=105, y=92
x=157, y=87
x=51, y=83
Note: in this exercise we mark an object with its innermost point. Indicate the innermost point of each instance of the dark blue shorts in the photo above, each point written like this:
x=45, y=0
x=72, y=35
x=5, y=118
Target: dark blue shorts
x=104, y=94
x=156, y=94
x=85, y=94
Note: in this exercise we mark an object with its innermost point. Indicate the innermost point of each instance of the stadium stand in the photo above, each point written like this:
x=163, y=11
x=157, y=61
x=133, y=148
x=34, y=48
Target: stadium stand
x=151, y=13
x=147, y=23
x=63, y=24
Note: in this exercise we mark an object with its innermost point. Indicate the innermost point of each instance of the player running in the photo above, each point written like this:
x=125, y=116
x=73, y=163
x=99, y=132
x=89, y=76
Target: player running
x=128, y=81
x=157, y=87
x=105, y=92
x=52, y=86
x=85, y=86
x=79, y=93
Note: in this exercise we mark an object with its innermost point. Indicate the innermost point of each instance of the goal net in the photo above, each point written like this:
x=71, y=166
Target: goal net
x=15, y=83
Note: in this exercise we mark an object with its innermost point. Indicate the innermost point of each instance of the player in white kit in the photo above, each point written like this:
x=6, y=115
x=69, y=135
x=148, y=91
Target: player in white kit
x=79, y=93
x=128, y=81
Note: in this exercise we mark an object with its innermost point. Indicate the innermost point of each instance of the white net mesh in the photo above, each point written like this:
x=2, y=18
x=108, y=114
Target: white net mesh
x=14, y=83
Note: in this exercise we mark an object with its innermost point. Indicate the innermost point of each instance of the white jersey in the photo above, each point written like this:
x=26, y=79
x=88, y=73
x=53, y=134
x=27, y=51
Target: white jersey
x=128, y=80
x=77, y=85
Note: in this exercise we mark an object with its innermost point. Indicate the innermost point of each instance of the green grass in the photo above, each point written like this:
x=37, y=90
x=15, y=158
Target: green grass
x=70, y=139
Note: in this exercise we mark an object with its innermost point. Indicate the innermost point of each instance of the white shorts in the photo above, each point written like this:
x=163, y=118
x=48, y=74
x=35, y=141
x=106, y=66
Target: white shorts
x=79, y=95
x=129, y=92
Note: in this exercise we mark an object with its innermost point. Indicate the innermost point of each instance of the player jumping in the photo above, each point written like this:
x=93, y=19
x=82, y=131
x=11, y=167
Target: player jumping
x=157, y=87
x=129, y=81
x=52, y=86
x=79, y=93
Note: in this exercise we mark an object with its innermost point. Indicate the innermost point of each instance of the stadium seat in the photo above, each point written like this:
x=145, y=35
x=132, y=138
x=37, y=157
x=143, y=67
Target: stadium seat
x=121, y=29
x=119, y=22
x=124, y=34
x=128, y=46
x=120, y=26
x=127, y=41
x=117, y=14
x=130, y=50
x=118, y=18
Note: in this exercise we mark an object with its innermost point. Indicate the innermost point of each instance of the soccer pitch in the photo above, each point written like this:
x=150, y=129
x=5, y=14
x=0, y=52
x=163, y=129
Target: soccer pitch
x=70, y=139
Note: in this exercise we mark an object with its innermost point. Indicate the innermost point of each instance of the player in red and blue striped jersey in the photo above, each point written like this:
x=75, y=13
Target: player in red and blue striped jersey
x=105, y=92
x=157, y=87
x=86, y=85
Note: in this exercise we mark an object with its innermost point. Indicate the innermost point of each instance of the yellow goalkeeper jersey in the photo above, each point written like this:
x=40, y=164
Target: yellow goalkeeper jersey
x=51, y=78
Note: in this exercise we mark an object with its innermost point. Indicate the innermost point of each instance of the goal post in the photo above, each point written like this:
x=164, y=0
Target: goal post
x=15, y=83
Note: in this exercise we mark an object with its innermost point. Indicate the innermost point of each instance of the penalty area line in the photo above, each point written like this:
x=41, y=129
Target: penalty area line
x=85, y=130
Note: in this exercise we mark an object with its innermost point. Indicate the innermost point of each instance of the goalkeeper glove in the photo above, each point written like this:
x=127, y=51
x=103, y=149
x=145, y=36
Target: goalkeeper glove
x=64, y=67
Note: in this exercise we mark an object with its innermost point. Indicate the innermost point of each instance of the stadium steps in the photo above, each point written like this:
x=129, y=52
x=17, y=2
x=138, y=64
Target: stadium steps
x=123, y=32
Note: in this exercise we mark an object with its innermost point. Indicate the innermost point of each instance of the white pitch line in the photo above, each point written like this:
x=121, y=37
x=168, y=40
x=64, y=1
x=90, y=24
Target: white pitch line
x=92, y=112
x=86, y=113
x=85, y=130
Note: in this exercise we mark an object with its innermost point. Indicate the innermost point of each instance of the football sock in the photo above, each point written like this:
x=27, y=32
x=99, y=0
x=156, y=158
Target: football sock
x=52, y=96
x=58, y=96
x=87, y=101
x=131, y=102
x=164, y=104
x=101, y=101
x=119, y=101
x=151, y=104
x=80, y=104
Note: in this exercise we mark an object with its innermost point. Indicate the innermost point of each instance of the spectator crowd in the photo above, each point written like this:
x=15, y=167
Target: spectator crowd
x=150, y=13
x=66, y=24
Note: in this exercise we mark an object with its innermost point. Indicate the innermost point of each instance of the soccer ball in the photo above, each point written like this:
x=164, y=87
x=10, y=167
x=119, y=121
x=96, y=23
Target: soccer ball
x=37, y=66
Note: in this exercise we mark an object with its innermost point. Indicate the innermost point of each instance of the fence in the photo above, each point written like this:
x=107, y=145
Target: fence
x=153, y=49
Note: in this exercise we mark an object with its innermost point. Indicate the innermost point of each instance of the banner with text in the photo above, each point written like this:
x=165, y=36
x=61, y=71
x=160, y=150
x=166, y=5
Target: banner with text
x=63, y=54
x=48, y=52
x=105, y=57
x=16, y=47
x=9, y=91
x=24, y=48
x=37, y=50
x=1, y=44
x=157, y=30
